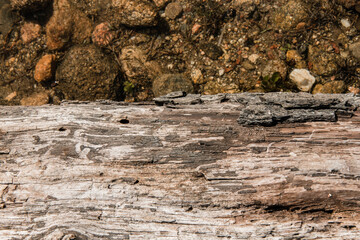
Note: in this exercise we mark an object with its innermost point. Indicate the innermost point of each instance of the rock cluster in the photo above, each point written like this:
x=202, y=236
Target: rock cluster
x=154, y=47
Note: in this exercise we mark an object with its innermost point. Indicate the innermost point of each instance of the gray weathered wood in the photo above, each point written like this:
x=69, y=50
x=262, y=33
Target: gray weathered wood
x=140, y=171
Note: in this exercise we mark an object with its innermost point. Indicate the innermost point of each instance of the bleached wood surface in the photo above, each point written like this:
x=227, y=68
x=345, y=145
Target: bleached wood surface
x=76, y=171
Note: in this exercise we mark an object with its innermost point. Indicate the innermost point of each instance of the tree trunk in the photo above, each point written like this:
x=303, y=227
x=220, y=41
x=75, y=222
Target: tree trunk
x=185, y=170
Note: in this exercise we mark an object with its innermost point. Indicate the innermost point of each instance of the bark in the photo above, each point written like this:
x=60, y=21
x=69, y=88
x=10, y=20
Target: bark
x=184, y=170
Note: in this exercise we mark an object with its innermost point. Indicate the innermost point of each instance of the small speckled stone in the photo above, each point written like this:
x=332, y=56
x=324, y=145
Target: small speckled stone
x=102, y=35
x=173, y=10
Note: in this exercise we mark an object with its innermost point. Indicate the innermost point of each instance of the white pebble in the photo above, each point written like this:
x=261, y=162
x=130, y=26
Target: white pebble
x=303, y=79
x=345, y=22
x=221, y=72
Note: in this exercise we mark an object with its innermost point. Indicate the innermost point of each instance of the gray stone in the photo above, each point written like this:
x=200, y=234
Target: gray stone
x=303, y=79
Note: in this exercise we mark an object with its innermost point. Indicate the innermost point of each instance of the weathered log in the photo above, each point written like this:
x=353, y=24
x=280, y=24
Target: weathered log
x=184, y=170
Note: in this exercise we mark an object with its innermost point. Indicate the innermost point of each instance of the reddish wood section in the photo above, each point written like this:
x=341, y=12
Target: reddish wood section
x=117, y=171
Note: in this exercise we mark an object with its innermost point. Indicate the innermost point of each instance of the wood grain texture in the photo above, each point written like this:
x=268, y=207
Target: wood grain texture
x=127, y=171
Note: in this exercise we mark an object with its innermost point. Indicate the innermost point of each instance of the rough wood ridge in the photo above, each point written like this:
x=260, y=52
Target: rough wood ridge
x=107, y=170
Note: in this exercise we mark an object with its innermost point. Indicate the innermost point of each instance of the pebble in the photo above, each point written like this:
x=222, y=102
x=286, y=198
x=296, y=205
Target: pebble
x=334, y=87
x=345, y=22
x=67, y=23
x=293, y=57
x=30, y=31
x=196, y=76
x=355, y=49
x=253, y=58
x=221, y=72
x=301, y=25
x=196, y=28
x=136, y=13
x=247, y=65
x=44, y=68
x=102, y=35
x=173, y=10
x=303, y=79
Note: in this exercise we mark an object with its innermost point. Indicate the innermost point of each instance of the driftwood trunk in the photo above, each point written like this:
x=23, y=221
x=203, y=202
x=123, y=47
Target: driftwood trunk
x=179, y=171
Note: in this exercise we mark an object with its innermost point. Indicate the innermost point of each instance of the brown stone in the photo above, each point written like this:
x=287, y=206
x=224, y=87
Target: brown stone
x=317, y=89
x=82, y=27
x=334, y=87
x=275, y=66
x=35, y=99
x=58, y=30
x=136, y=13
x=137, y=69
x=301, y=25
x=30, y=31
x=323, y=63
x=66, y=24
x=44, y=69
x=294, y=58
x=86, y=73
x=290, y=15
x=173, y=10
